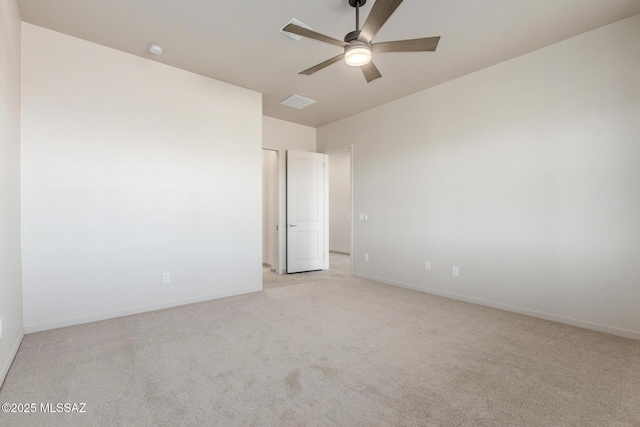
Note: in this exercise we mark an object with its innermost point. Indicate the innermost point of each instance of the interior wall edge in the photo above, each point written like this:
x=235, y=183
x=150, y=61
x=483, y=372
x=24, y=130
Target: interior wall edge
x=12, y=356
x=584, y=324
x=29, y=329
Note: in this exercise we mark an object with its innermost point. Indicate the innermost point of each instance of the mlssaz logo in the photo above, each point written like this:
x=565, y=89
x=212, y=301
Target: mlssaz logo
x=63, y=407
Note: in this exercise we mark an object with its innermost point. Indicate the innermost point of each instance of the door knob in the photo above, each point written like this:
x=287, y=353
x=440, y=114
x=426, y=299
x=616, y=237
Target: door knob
x=293, y=225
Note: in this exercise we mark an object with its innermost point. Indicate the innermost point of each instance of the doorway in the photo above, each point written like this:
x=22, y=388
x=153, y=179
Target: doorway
x=270, y=210
x=340, y=208
x=274, y=230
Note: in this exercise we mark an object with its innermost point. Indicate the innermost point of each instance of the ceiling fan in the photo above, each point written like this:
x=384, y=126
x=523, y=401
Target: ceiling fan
x=358, y=46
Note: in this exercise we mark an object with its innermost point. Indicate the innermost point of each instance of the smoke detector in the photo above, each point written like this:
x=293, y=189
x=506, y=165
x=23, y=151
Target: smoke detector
x=155, y=49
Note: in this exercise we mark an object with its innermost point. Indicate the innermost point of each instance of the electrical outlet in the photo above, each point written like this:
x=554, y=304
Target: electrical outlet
x=456, y=272
x=166, y=277
x=427, y=265
x=366, y=257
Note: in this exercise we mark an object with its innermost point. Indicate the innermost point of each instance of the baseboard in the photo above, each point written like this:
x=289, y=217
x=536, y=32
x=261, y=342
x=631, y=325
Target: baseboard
x=136, y=310
x=12, y=355
x=527, y=312
x=341, y=253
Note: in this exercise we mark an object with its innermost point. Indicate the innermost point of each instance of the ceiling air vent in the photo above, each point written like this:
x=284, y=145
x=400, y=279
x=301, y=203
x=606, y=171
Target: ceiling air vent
x=297, y=101
x=296, y=22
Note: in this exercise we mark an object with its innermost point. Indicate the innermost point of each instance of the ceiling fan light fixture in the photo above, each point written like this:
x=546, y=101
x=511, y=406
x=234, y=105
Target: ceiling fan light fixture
x=357, y=54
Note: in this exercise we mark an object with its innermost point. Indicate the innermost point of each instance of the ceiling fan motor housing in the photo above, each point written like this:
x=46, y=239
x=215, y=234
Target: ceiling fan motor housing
x=354, y=3
x=352, y=36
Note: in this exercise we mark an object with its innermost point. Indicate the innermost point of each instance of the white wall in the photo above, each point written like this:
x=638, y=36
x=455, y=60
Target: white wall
x=282, y=135
x=132, y=168
x=524, y=175
x=340, y=202
x=10, y=263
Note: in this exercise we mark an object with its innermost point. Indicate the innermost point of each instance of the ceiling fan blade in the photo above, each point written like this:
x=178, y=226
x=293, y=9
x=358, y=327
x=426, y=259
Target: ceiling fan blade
x=427, y=44
x=322, y=65
x=305, y=32
x=370, y=72
x=380, y=12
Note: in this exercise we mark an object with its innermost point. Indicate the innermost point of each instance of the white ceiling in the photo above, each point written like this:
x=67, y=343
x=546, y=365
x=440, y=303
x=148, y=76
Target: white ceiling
x=238, y=41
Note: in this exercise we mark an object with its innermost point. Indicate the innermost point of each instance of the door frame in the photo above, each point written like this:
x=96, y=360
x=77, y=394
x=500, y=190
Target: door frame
x=281, y=241
x=338, y=150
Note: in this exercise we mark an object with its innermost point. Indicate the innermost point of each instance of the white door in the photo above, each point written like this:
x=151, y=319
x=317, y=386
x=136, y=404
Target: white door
x=306, y=211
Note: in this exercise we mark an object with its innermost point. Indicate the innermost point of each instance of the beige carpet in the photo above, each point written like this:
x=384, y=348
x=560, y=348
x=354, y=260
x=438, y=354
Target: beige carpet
x=326, y=349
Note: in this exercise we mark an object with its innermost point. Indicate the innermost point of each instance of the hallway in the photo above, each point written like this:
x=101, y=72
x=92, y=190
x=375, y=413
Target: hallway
x=339, y=266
